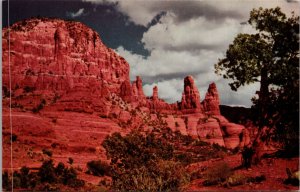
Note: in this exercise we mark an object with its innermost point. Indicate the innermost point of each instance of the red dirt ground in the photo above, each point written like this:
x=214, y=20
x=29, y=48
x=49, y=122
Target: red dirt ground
x=273, y=168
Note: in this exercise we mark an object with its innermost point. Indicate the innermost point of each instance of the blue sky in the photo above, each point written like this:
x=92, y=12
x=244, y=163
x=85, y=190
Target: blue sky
x=165, y=40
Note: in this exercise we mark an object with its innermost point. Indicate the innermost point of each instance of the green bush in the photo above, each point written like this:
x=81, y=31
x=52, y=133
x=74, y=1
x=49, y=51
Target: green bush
x=143, y=163
x=161, y=176
x=48, y=178
x=98, y=168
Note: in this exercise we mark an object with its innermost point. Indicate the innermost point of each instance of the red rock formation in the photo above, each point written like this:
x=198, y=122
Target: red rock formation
x=126, y=91
x=190, y=101
x=66, y=65
x=155, y=104
x=211, y=102
x=137, y=90
x=155, y=93
x=54, y=56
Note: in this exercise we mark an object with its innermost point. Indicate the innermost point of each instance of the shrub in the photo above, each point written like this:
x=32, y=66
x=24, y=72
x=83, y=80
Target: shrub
x=200, y=143
x=143, y=163
x=219, y=147
x=161, y=176
x=198, y=173
x=217, y=174
x=69, y=176
x=76, y=183
x=103, y=116
x=28, y=89
x=98, y=168
x=24, y=177
x=6, y=181
x=70, y=160
x=236, y=179
x=104, y=182
x=40, y=106
x=47, y=152
x=54, y=145
x=54, y=120
x=257, y=179
x=247, y=155
x=59, y=169
x=293, y=177
x=6, y=92
x=184, y=158
x=47, y=178
x=16, y=179
x=47, y=172
x=47, y=187
x=14, y=137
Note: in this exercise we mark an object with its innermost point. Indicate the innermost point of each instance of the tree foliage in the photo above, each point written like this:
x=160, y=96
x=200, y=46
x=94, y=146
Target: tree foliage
x=270, y=57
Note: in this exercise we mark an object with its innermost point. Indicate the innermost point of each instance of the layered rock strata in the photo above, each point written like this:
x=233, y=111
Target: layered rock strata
x=63, y=66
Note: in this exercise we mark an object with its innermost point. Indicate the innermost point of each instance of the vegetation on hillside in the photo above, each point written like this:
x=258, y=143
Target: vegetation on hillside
x=48, y=178
x=155, y=161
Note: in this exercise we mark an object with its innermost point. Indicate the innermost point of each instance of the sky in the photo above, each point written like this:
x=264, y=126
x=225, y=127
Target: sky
x=163, y=41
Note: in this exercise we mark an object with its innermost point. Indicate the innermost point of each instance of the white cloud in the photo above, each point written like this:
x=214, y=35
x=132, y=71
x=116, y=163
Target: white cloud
x=141, y=12
x=180, y=49
x=196, y=33
x=169, y=90
x=241, y=97
x=189, y=39
x=169, y=63
x=76, y=14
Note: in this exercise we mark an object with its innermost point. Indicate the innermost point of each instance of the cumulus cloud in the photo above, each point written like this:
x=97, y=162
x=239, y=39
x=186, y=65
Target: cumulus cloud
x=141, y=12
x=194, y=34
x=189, y=47
x=169, y=90
x=188, y=38
x=76, y=14
x=165, y=64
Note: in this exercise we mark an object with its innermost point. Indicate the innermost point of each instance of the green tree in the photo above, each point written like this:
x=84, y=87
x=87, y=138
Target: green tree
x=270, y=57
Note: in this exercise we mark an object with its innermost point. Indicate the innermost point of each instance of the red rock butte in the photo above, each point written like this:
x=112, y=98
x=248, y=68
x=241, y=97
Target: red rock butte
x=65, y=80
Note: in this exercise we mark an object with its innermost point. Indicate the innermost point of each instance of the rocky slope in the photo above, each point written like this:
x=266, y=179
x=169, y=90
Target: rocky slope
x=66, y=82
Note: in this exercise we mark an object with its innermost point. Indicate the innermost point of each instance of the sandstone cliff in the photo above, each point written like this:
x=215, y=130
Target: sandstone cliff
x=54, y=57
x=61, y=66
